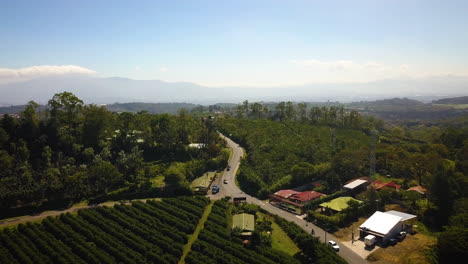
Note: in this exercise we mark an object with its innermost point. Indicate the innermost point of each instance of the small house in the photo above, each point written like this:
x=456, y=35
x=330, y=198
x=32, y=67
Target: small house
x=245, y=222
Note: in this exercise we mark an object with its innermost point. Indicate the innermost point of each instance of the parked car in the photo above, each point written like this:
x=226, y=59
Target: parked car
x=228, y=168
x=215, y=189
x=334, y=245
x=225, y=181
x=401, y=236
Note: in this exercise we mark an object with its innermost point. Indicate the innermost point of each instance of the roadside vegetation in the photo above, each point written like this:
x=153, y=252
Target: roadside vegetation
x=292, y=145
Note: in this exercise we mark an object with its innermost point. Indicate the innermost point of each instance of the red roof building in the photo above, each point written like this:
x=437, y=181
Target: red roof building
x=285, y=193
x=305, y=197
x=378, y=184
x=287, y=198
x=418, y=189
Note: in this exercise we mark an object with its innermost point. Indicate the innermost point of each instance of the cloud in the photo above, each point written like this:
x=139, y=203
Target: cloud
x=11, y=75
x=341, y=65
x=349, y=71
x=163, y=69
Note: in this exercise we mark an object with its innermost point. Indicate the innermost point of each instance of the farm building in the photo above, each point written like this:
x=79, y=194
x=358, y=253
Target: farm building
x=356, y=185
x=337, y=205
x=201, y=185
x=385, y=225
x=246, y=222
x=293, y=201
x=378, y=184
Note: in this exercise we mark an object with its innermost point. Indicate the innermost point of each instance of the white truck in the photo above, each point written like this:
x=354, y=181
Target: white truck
x=369, y=240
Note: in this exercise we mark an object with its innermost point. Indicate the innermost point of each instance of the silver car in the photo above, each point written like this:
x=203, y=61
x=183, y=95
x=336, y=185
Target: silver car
x=333, y=244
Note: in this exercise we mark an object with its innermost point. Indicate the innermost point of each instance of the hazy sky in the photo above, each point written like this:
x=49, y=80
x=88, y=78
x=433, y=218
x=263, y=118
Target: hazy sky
x=257, y=43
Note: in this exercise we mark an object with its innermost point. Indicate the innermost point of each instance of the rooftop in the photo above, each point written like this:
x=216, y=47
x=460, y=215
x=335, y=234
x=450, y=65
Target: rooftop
x=354, y=184
x=244, y=221
x=203, y=181
x=381, y=223
x=418, y=189
x=339, y=204
x=404, y=216
x=285, y=193
x=378, y=184
x=306, y=196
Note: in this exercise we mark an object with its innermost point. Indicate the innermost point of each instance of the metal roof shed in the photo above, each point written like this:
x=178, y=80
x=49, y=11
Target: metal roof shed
x=382, y=225
x=246, y=222
x=354, y=184
x=404, y=216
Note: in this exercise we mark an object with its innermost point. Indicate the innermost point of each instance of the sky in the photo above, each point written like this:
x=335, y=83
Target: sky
x=235, y=43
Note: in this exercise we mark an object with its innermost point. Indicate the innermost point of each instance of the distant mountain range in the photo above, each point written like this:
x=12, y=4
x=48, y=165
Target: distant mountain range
x=457, y=100
x=99, y=90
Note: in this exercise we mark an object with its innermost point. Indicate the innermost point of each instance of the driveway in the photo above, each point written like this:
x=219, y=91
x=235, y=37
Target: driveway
x=230, y=189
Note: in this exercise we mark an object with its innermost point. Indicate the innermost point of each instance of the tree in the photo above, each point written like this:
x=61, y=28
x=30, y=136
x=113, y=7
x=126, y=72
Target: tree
x=256, y=110
x=103, y=176
x=442, y=192
x=64, y=112
x=290, y=111
x=29, y=123
x=281, y=110
x=96, y=126
x=302, y=111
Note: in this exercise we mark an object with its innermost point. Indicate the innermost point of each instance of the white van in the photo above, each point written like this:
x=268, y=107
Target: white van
x=369, y=240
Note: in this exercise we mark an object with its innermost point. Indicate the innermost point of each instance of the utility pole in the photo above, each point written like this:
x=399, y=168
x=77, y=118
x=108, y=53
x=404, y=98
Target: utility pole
x=372, y=160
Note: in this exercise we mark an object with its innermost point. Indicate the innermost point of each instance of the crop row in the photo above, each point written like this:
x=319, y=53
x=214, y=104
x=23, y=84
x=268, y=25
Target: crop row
x=152, y=232
x=215, y=244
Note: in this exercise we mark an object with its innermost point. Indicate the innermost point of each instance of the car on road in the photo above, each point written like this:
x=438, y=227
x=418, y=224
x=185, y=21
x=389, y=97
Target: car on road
x=334, y=245
x=228, y=168
x=215, y=189
x=225, y=181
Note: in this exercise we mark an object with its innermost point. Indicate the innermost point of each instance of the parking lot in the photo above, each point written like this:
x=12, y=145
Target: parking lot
x=359, y=248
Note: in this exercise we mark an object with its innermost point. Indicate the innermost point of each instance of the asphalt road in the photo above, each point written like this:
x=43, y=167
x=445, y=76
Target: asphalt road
x=230, y=189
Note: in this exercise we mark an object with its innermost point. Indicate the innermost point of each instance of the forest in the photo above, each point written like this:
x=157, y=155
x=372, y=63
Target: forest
x=72, y=152
x=295, y=145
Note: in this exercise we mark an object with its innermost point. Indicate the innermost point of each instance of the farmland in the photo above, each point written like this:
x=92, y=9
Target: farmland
x=215, y=244
x=151, y=232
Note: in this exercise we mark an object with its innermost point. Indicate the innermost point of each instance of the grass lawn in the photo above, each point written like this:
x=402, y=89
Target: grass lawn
x=280, y=240
x=409, y=251
x=345, y=234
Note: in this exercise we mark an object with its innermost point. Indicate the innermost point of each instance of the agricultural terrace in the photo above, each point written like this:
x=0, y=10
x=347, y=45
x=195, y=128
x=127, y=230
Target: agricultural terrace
x=215, y=244
x=151, y=232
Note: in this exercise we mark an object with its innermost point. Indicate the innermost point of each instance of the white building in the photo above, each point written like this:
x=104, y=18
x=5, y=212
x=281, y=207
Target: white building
x=385, y=225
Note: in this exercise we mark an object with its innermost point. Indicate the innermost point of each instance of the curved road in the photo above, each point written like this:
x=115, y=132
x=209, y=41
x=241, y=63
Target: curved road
x=230, y=189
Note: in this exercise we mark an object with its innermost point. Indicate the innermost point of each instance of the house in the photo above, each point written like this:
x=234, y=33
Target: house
x=201, y=185
x=378, y=184
x=337, y=205
x=245, y=222
x=385, y=225
x=355, y=186
x=418, y=189
x=292, y=200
